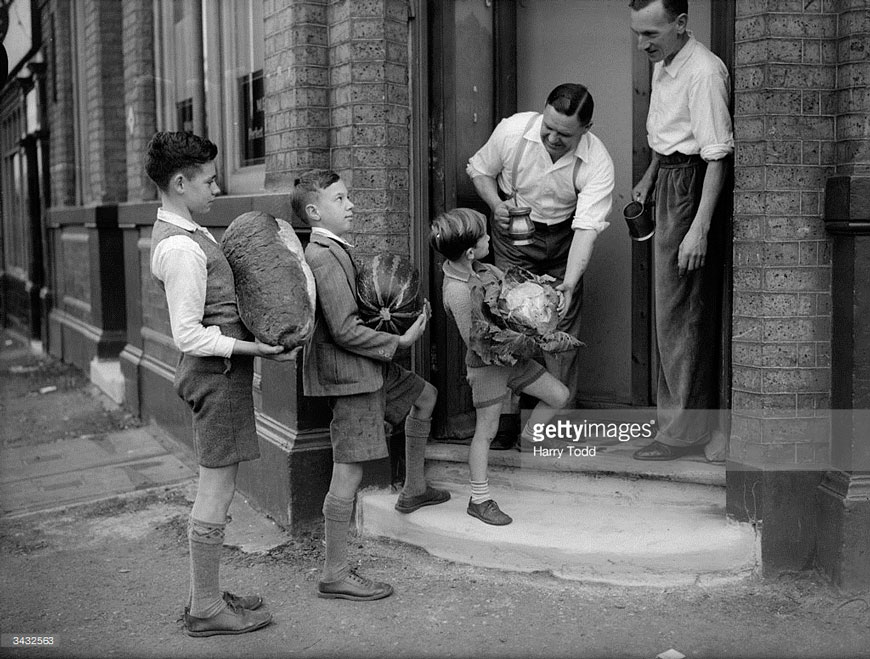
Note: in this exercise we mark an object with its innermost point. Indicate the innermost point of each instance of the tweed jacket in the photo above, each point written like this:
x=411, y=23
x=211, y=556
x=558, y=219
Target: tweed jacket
x=343, y=356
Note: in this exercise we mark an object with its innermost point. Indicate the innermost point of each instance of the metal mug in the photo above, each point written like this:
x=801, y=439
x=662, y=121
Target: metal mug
x=638, y=217
x=521, y=229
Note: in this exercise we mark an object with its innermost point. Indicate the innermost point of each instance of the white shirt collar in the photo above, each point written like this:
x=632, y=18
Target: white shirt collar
x=177, y=220
x=329, y=234
x=681, y=57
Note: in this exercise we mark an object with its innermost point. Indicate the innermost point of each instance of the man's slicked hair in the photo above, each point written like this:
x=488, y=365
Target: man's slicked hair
x=572, y=99
x=673, y=8
x=171, y=152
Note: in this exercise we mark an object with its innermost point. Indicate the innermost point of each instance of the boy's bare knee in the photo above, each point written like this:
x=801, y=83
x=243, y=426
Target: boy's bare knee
x=425, y=403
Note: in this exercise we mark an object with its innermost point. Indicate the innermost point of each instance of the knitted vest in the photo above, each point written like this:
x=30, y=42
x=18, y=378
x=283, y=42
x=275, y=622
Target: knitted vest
x=221, y=308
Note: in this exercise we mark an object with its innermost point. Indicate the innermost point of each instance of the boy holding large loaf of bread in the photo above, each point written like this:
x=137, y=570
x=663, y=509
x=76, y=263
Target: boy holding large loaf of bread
x=353, y=365
x=215, y=371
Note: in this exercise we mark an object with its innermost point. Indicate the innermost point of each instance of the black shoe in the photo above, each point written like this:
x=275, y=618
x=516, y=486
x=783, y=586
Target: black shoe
x=430, y=497
x=507, y=436
x=232, y=620
x=354, y=587
x=488, y=512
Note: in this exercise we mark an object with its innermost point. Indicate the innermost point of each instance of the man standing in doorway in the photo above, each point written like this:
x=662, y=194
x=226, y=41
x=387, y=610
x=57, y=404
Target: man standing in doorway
x=689, y=131
x=551, y=163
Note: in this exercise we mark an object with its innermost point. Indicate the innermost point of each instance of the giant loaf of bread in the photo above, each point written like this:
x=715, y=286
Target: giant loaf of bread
x=274, y=285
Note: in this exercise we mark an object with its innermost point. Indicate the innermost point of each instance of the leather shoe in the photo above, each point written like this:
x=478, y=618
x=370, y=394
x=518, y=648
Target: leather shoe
x=430, y=497
x=488, y=512
x=662, y=452
x=354, y=587
x=507, y=436
x=249, y=602
x=231, y=620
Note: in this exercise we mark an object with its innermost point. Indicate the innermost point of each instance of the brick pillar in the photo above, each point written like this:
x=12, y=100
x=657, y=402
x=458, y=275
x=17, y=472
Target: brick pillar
x=104, y=82
x=785, y=76
x=370, y=117
x=141, y=112
x=58, y=40
x=844, y=497
x=296, y=90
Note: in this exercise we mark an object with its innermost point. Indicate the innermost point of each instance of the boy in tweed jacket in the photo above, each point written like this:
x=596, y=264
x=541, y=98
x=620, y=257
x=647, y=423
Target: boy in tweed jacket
x=352, y=365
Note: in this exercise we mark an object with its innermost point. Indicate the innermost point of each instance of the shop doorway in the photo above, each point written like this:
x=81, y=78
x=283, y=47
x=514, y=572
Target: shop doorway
x=489, y=59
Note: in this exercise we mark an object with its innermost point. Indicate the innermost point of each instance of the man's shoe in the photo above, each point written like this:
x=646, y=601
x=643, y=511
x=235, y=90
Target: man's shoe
x=488, y=512
x=507, y=436
x=249, y=602
x=354, y=587
x=663, y=452
x=232, y=620
x=430, y=497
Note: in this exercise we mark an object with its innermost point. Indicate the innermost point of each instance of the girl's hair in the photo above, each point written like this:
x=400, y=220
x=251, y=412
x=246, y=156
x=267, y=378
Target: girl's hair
x=453, y=232
x=168, y=153
x=306, y=187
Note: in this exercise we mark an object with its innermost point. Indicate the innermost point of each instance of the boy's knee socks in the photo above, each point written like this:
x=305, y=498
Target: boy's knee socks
x=336, y=522
x=416, y=436
x=205, y=540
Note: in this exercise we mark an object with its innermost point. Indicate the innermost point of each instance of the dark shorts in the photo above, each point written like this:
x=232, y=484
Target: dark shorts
x=357, y=427
x=218, y=392
x=490, y=384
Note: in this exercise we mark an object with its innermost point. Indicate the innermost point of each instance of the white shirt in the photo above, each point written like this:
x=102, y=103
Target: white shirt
x=180, y=264
x=546, y=186
x=688, y=109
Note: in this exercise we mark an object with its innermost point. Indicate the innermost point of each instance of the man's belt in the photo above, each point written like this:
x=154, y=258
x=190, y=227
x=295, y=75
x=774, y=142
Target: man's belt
x=677, y=159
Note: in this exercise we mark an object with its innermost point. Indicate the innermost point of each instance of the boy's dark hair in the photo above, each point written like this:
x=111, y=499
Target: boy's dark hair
x=171, y=152
x=306, y=187
x=453, y=232
x=673, y=8
x=572, y=99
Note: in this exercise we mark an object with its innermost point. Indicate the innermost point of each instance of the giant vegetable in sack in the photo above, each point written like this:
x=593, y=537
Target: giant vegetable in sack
x=274, y=285
x=388, y=292
x=515, y=316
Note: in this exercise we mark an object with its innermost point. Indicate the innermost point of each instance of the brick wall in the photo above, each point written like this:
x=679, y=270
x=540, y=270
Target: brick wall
x=337, y=96
x=56, y=25
x=853, y=87
x=139, y=100
x=296, y=89
x=785, y=105
x=104, y=80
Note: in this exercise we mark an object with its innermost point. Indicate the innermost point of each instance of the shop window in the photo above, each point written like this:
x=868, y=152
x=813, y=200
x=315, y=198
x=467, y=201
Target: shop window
x=209, y=58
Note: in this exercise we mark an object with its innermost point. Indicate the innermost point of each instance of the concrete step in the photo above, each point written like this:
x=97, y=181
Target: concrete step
x=573, y=536
x=619, y=477
x=626, y=523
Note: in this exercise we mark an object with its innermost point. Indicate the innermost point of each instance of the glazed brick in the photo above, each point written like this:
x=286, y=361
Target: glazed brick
x=787, y=380
x=747, y=279
x=809, y=26
x=795, y=431
x=789, y=228
x=780, y=177
x=750, y=27
x=783, y=152
x=797, y=279
x=746, y=354
x=748, y=77
x=787, y=304
x=798, y=76
x=783, y=332
x=815, y=128
x=747, y=378
x=746, y=328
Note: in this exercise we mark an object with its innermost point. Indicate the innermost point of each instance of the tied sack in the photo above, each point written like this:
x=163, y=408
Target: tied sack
x=274, y=286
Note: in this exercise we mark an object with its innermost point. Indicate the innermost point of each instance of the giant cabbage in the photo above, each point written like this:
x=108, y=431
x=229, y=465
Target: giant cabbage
x=514, y=316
